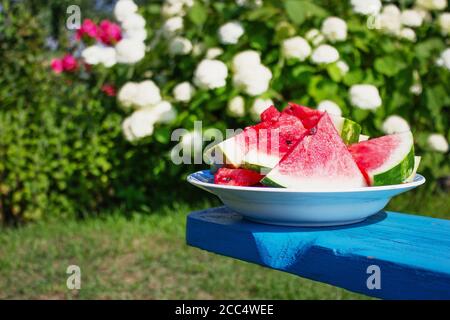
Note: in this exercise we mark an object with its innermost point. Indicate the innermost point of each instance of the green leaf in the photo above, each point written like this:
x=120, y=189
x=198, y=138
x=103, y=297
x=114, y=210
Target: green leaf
x=334, y=72
x=295, y=11
x=198, y=14
x=389, y=65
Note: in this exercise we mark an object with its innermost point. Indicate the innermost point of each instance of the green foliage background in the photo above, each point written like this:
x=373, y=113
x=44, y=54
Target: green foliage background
x=61, y=145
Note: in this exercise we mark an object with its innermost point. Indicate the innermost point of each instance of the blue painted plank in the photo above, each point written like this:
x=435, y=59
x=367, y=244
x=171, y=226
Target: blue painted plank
x=412, y=252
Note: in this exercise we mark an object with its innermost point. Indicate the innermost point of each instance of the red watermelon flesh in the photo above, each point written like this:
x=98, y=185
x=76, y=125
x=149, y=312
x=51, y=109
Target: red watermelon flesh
x=273, y=142
x=385, y=160
x=237, y=177
x=309, y=116
x=319, y=160
x=270, y=114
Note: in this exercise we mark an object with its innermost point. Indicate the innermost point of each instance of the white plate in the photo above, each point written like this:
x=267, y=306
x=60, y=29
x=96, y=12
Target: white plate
x=292, y=207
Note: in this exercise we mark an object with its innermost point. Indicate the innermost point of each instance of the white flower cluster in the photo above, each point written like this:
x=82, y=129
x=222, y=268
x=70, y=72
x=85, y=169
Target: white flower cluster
x=401, y=23
x=296, y=48
x=315, y=37
x=334, y=29
x=172, y=8
x=438, y=142
x=432, y=4
x=324, y=54
x=395, y=124
x=444, y=59
x=210, y=74
x=330, y=107
x=366, y=7
x=130, y=49
x=236, y=107
x=444, y=23
x=183, y=91
x=230, y=32
x=249, y=75
x=365, y=96
x=145, y=97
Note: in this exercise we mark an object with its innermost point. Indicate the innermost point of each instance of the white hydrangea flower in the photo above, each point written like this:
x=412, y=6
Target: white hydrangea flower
x=175, y=7
x=296, y=48
x=343, y=66
x=411, y=18
x=389, y=19
x=126, y=129
x=127, y=94
x=253, y=80
x=395, y=124
x=334, y=29
x=324, y=54
x=130, y=51
x=135, y=34
x=236, y=107
x=438, y=142
x=249, y=3
x=198, y=48
x=245, y=58
x=366, y=7
x=432, y=4
x=172, y=26
x=444, y=23
x=148, y=94
x=230, y=32
x=330, y=107
x=311, y=34
x=124, y=8
x=180, y=46
x=140, y=124
x=213, y=53
x=165, y=112
x=258, y=107
x=408, y=34
x=133, y=21
x=444, y=59
x=210, y=74
x=99, y=54
x=183, y=91
x=365, y=96
x=416, y=89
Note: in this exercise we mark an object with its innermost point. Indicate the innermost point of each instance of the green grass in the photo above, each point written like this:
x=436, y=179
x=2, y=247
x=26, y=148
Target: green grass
x=145, y=257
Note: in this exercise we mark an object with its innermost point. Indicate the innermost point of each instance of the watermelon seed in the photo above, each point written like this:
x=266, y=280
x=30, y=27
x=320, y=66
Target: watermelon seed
x=313, y=131
x=227, y=179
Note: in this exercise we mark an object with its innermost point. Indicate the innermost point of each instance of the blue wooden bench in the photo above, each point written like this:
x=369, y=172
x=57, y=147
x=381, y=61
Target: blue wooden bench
x=391, y=255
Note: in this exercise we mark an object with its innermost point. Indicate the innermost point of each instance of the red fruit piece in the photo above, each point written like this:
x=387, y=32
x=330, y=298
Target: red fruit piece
x=237, y=177
x=270, y=114
x=308, y=116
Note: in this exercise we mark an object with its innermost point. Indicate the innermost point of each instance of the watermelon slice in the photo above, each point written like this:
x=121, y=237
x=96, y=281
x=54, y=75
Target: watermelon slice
x=385, y=160
x=347, y=129
x=237, y=177
x=416, y=166
x=270, y=114
x=319, y=160
x=273, y=143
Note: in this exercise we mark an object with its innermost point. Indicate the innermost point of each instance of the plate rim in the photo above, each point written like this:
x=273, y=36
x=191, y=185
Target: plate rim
x=418, y=180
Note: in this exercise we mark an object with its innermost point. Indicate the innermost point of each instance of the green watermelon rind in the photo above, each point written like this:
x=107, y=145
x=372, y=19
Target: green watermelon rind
x=416, y=166
x=397, y=174
x=350, y=131
x=270, y=183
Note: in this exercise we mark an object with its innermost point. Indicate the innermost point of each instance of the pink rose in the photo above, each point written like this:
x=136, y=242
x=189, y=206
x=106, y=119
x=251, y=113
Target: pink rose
x=88, y=28
x=57, y=65
x=69, y=63
x=109, y=32
x=109, y=90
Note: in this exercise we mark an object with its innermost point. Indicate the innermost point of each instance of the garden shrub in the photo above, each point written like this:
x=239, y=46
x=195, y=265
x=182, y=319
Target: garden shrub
x=70, y=147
